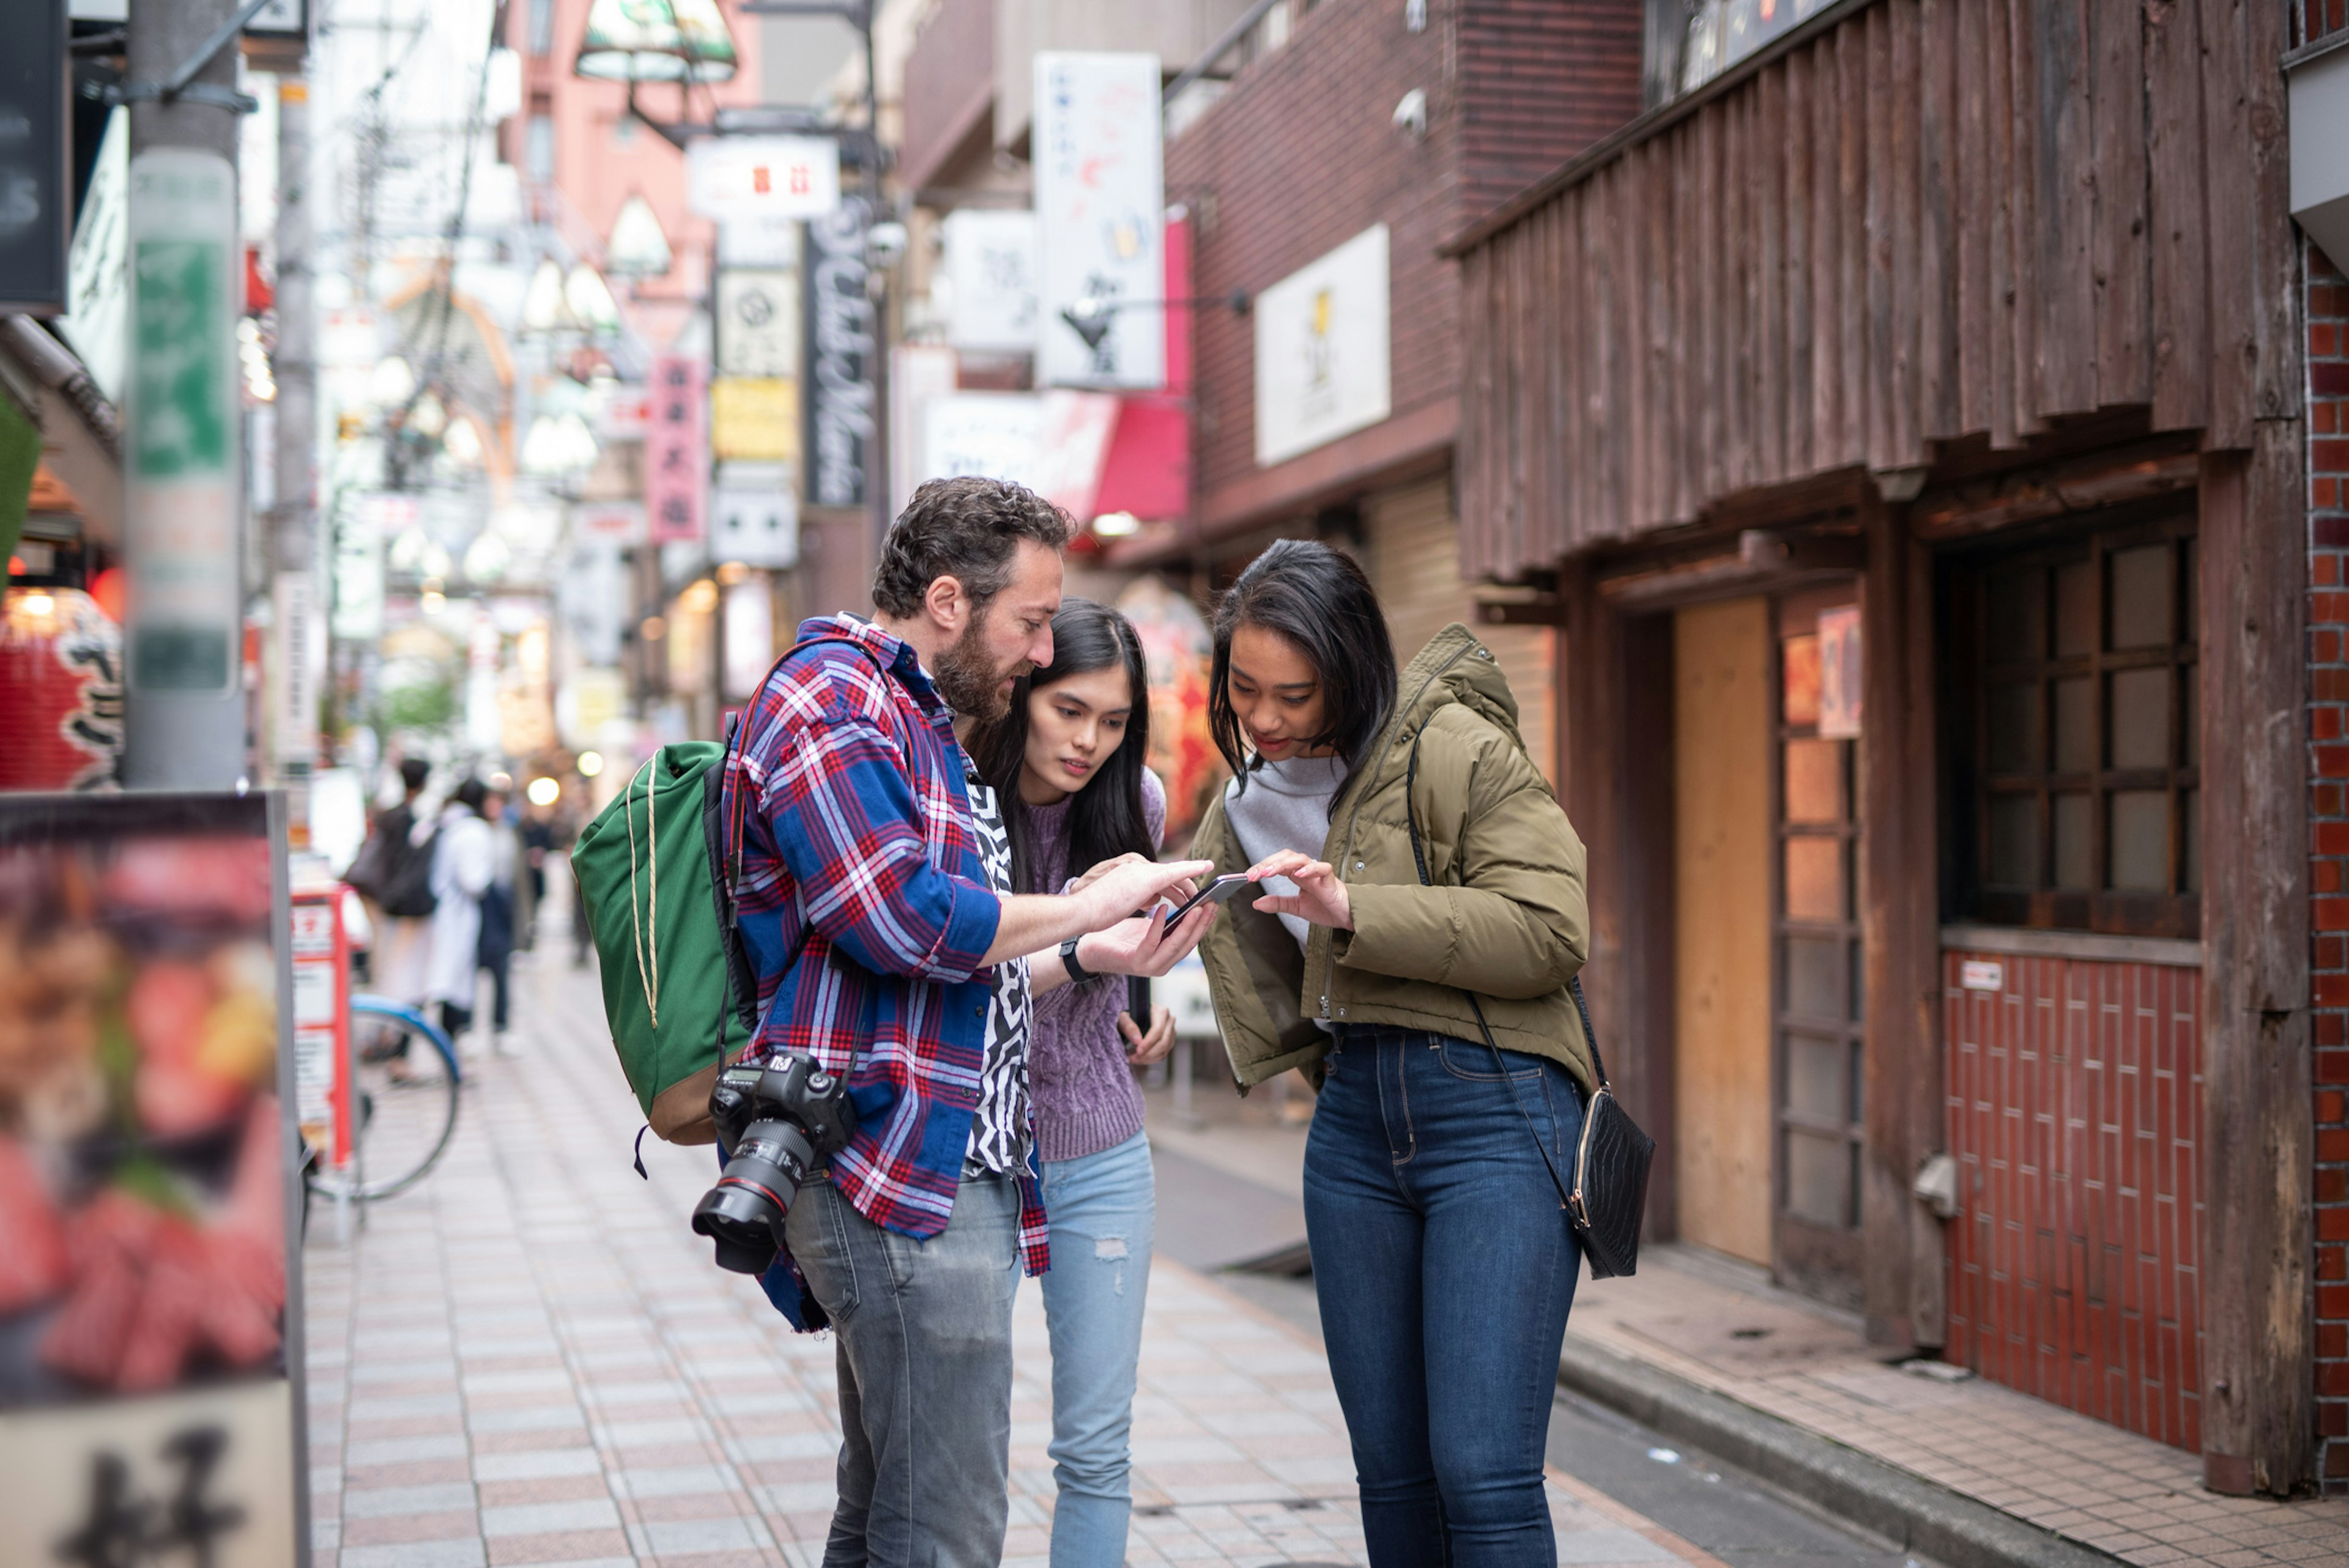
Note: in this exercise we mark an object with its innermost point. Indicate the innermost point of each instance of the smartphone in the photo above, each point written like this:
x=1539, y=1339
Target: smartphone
x=1216, y=892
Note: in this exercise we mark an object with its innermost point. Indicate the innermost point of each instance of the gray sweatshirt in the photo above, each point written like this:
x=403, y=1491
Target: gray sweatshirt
x=1286, y=807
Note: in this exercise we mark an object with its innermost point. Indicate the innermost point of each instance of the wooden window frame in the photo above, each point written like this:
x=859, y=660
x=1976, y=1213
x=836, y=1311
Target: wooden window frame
x=1971, y=669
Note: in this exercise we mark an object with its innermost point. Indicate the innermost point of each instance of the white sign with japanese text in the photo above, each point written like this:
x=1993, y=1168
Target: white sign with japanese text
x=1099, y=221
x=991, y=277
x=763, y=176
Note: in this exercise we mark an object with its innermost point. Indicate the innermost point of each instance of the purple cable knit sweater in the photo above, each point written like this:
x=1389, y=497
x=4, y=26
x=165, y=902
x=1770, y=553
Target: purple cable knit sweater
x=1086, y=1098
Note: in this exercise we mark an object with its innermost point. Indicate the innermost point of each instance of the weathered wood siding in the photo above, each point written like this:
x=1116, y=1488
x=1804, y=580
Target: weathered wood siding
x=1937, y=219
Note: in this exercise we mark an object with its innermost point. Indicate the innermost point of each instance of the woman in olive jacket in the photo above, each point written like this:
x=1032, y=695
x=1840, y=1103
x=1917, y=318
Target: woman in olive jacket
x=1443, y=1258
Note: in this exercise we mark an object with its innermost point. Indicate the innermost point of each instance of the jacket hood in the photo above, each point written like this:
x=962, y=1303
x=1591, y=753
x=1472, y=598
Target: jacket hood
x=1455, y=666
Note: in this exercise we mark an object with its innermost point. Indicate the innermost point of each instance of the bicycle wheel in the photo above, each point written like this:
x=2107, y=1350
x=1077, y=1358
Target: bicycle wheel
x=404, y=1101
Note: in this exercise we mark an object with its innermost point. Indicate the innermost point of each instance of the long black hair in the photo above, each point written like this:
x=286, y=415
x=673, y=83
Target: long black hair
x=1107, y=819
x=1319, y=600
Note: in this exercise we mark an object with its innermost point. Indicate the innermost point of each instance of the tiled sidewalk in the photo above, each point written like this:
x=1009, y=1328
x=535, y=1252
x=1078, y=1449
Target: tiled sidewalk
x=2137, y=1499
x=530, y=1359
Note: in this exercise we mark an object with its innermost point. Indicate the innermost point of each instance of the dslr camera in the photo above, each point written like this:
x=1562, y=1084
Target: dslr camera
x=779, y=1119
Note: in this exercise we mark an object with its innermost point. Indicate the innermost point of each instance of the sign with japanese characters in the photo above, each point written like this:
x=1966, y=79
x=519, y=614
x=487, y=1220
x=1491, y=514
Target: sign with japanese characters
x=1321, y=340
x=1840, y=707
x=676, y=451
x=763, y=176
x=150, y=1379
x=181, y=450
x=991, y=280
x=758, y=322
x=1099, y=221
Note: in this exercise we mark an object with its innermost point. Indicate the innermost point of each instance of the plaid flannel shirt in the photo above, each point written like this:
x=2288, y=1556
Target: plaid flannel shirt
x=863, y=831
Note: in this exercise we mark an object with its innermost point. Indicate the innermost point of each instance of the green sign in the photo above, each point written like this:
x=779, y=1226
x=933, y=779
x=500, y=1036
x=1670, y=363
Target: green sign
x=182, y=356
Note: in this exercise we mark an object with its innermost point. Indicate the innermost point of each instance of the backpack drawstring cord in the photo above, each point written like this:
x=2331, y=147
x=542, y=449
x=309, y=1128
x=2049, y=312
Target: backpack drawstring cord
x=647, y=975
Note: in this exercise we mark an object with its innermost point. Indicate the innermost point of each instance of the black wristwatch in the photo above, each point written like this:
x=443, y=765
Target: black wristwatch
x=1078, y=973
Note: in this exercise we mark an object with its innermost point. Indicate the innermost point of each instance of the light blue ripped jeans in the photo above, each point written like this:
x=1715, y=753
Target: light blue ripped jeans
x=1101, y=1209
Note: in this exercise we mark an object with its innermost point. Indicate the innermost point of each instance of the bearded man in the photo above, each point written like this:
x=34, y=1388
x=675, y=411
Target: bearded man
x=875, y=900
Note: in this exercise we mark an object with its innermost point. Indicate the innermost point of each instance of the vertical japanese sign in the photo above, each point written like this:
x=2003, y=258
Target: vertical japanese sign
x=1840, y=682
x=181, y=439
x=676, y=460
x=321, y=957
x=840, y=400
x=34, y=201
x=150, y=1377
x=1099, y=214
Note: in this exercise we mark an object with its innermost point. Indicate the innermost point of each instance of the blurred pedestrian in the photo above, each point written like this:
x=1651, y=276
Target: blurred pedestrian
x=530, y=887
x=464, y=858
x=1442, y=1255
x=498, y=903
x=386, y=873
x=1067, y=762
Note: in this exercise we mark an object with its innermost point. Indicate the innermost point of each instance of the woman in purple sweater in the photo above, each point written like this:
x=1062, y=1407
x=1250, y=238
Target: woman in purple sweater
x=1067, y=760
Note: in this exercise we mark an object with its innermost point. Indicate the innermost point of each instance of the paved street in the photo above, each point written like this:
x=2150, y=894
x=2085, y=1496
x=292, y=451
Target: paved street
x=530, y=1359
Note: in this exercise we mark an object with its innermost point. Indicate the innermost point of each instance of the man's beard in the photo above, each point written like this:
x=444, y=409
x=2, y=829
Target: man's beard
x=969, y=680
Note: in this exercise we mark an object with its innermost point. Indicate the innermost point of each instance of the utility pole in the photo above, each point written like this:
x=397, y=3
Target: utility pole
x=182, y=446
x=299, y=607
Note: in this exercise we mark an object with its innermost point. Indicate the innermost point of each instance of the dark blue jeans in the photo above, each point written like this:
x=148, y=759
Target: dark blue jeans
x=1445, y=1268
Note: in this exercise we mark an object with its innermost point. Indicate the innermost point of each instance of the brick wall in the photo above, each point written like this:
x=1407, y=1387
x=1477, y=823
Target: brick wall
x=2074, y=1107
x=2328, y=811
x=1302, y=155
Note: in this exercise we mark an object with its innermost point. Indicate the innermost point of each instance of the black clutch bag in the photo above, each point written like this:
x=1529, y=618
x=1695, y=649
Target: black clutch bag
x=1610, y=1194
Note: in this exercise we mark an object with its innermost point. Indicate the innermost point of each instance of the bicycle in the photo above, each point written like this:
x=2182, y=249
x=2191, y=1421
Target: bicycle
x=404, y=1102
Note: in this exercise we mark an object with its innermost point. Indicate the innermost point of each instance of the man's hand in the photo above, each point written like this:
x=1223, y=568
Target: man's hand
x=1138, y=884
x=1320, y=899
x=1142, y=1050
x=1103, y=870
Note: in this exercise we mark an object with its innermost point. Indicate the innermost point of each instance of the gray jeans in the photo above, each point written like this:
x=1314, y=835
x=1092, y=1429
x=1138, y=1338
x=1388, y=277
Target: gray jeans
x=925, y=1351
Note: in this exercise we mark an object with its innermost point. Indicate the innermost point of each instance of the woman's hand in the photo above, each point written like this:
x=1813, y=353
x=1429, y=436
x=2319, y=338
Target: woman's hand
x=1141, y=1049
x=1145, y=944
x=1320, y=899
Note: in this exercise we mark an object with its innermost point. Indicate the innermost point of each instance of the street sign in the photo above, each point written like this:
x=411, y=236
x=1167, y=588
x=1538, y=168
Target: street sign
x=840, y=346
x=35, y=197
x=181, y=452
x=991, y=279
x=1099, y=220
x=729, y=177
x=677, y=453
x=758, y=322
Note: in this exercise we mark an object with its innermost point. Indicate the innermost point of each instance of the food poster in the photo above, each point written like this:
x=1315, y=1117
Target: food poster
x=1178, y=650
x=150, y=1323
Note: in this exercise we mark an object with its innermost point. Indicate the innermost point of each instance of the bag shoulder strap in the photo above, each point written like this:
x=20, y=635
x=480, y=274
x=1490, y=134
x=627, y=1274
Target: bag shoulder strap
x=1500, y=1063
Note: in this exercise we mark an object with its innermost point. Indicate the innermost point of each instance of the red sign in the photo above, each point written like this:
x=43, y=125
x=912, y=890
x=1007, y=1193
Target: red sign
x=322, y=1024
x=676, y=451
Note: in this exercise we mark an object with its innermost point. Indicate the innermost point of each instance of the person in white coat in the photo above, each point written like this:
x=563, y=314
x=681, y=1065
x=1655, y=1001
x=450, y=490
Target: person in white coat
x=464, y=858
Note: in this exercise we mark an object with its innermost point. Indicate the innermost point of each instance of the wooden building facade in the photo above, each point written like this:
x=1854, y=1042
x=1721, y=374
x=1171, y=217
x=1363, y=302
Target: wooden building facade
x=1908, y=427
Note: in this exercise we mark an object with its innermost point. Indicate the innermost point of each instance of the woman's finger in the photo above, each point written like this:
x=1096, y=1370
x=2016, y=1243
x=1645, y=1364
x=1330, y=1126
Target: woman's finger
x=1278, y=863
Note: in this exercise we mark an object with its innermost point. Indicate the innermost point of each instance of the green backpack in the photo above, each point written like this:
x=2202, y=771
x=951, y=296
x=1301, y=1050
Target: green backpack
x=655, y=870
x=646, y=875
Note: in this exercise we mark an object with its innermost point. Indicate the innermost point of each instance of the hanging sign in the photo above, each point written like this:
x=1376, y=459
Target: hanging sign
x=758, y=322
x=35, y=200
x=676, y=454
x=181, y=452
x=755, y=419
x=991, y=280
x=1321, y=340
x=755, y=516
x=1099, y=220
x=1839, y=674
x=840, y=398
x=731, y=176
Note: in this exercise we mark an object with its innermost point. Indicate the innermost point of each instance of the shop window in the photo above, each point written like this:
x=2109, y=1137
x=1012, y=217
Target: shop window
x=2074, y=736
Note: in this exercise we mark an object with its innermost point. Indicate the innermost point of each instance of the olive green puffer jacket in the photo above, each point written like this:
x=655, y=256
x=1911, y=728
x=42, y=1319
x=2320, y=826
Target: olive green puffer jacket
x=1506, y=917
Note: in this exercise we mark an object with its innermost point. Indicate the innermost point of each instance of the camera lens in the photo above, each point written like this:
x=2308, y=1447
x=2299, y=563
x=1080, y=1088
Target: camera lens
x=744, y=1214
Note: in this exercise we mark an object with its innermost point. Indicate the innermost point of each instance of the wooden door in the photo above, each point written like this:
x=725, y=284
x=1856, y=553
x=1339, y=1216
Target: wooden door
x=1721, y=743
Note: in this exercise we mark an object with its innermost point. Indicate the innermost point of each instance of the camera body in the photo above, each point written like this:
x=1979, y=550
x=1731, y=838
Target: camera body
x=777, y=1121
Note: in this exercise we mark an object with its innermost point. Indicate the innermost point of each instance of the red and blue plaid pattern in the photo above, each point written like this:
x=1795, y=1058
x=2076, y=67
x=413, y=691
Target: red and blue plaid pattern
x=863, y=831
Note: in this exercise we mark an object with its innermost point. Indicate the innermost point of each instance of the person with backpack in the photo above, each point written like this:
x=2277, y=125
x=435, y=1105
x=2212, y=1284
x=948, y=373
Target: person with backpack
x=1066, y=761
x=1423, y=918
x=393, y=879
x=876, y=899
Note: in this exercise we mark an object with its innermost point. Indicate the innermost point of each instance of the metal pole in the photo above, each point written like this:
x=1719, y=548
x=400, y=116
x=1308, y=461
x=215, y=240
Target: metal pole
x=185, y=715
x=295, y=557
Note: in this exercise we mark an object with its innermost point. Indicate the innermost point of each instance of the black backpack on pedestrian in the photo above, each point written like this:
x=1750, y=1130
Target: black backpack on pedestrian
x=407, y=881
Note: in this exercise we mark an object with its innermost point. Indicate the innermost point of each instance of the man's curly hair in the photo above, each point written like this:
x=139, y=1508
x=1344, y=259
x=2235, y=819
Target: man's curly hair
x=966, y=529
